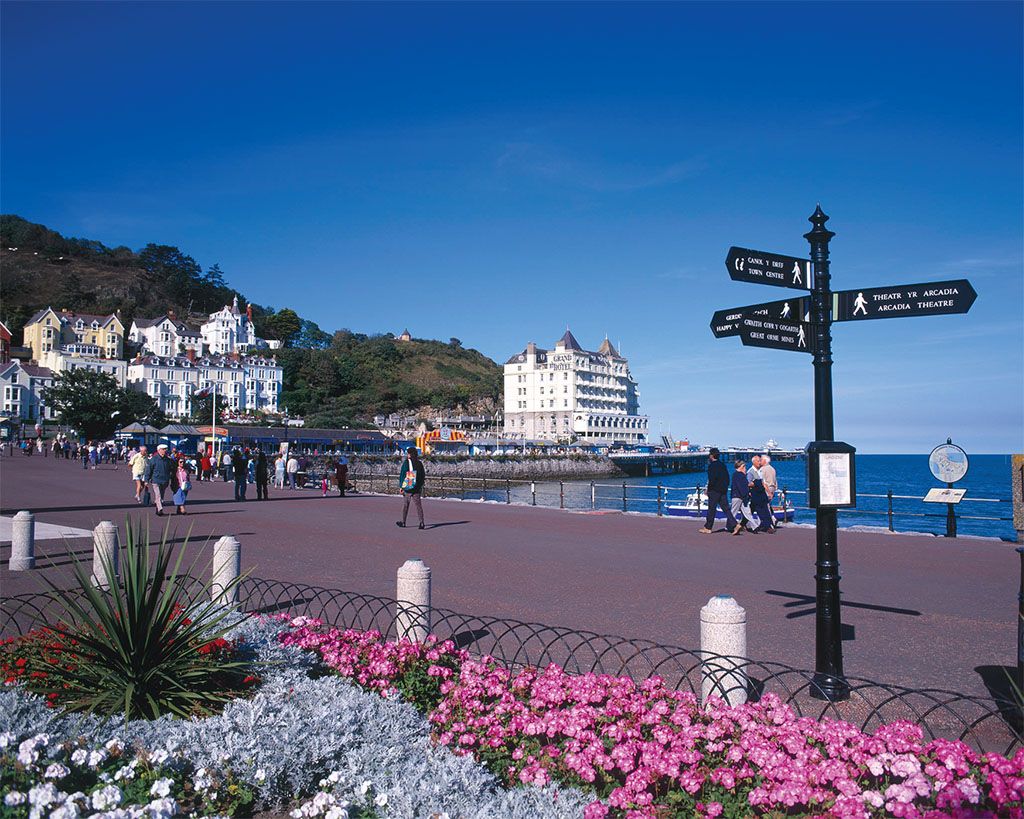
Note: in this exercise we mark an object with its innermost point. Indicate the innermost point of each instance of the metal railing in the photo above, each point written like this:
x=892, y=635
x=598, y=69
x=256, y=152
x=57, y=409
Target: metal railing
x=986, y=723
x=644, y=498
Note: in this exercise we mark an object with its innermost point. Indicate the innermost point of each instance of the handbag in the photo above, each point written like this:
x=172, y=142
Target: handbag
x=409, y=479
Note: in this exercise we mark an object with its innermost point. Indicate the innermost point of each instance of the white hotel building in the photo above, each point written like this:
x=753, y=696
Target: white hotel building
x=249, y=384
x=568, y=391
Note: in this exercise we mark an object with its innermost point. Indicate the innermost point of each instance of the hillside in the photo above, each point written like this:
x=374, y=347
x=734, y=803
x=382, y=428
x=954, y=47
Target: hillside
x=346, y=378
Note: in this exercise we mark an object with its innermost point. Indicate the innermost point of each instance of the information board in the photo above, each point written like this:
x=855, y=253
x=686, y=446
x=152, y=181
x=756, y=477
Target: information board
x=834, y=479
x=938, y=495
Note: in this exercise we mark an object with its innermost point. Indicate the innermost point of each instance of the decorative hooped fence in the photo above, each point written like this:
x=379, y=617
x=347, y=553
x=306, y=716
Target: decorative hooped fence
x=985, y=723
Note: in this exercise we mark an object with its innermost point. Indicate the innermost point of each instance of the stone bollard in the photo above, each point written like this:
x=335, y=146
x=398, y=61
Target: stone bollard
x=412, y=617
x=227, y=566
x=105, y=544
x=23, y=542
x=1017, y=484
x=723, y=639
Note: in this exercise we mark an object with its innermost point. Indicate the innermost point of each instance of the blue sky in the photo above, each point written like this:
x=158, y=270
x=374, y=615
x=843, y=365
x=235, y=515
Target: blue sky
x=496, y=172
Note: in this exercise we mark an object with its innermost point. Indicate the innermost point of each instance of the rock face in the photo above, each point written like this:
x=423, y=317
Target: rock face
x=1017, y=480
x=566, y=467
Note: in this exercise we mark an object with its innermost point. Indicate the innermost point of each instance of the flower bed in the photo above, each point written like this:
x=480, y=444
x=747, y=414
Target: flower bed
x=302, y=738
x=650, y=751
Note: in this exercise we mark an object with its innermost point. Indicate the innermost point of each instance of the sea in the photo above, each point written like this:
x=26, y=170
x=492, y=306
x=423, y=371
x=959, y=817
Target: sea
x=986, y=510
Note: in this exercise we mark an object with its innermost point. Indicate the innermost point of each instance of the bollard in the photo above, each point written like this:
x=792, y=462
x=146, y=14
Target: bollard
x=23, y=542
x=412, y=615
x=623, y=497
x=533, y=493
x=105, y=551
x=593, y=496
x=659, y=500
x=890, y=511
x=723, y=646
x=561, y=495
x=227, y=566
x=508, y=491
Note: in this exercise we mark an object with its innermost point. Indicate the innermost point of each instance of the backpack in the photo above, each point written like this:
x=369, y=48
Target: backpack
x=409, y=479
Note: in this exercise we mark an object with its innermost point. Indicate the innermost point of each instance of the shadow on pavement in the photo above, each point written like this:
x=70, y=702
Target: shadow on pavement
x=999, y=680
x=447, y=523
x=808, y=605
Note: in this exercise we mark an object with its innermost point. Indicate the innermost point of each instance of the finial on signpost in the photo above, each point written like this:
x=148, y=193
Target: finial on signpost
x=820, y=232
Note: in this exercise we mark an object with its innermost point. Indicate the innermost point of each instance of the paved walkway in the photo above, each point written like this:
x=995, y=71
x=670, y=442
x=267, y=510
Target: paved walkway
x=919, y=611
x=43, y=531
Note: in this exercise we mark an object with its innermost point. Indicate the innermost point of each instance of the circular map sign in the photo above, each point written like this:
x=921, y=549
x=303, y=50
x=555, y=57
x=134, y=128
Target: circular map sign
x=948, y=463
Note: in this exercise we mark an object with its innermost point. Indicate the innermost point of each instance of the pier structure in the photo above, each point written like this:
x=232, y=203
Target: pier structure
x=671, y=463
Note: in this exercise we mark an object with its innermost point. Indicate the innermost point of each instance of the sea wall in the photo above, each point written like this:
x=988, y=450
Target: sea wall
x=523, y=468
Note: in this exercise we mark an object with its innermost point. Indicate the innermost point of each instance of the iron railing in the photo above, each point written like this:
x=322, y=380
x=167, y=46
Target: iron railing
x=986, y=723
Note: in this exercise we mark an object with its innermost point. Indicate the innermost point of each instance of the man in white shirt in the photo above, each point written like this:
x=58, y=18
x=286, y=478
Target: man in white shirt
x=770, y=481
x=292, y=468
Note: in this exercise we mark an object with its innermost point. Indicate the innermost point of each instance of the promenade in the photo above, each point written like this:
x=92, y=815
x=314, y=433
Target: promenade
x=917, y=610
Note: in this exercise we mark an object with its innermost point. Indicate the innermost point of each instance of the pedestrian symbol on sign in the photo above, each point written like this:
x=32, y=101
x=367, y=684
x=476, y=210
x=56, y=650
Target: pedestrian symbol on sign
x=801, y=339
x=797, y=274
x=785, y=310
x=860, y=305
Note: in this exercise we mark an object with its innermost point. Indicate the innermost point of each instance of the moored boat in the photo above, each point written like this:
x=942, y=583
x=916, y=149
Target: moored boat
x=696, y=506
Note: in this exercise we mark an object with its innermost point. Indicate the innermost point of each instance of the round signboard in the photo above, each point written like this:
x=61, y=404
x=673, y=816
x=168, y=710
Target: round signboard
x=948, y=463
x=446, y=433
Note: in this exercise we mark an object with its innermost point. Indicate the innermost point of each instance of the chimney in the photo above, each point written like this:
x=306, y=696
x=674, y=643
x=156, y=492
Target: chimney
x=170, y=315
x=190, y=353
x=248, y=311
x=234, y=355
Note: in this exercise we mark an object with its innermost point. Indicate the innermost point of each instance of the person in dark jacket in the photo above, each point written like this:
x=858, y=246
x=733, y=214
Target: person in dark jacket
x=262, y=477
x=759, y=497
x=718, y=494
x=160, y=473
x=410, y=482
x=240, y=470
x=341, y=474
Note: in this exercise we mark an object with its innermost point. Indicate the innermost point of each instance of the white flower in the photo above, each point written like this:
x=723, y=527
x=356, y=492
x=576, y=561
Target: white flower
x=106, y=797
x=96, y=758
x=125, y=772
x=159, y=757
x=43, y=795
x=380, y=800
x=162, y=808
x=14, y=798
x=27, y=753
x=7, y=738
x=336, y=813
x=873, y=798
x=114, y=745
x=80, y=757
x=260, y=775
x=364, y=787
x=335, y=777
x=161, y=788
x=69, y=810
x=56, y=771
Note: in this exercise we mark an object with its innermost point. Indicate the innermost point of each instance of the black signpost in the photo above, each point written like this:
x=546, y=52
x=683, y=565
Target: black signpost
x=810, y=330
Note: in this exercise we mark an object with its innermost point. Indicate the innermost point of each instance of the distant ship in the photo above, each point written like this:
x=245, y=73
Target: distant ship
x=696, y=506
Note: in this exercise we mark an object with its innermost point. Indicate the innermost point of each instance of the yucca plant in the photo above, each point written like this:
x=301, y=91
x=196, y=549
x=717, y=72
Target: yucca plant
x=141, y=647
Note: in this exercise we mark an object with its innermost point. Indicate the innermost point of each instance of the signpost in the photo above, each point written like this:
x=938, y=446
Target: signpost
x=949, y=463
x=928, y=299
x=727, y=322
x=807, y=327
x=759, y=267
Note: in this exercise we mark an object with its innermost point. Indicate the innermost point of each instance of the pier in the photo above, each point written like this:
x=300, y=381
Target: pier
x=646, y=464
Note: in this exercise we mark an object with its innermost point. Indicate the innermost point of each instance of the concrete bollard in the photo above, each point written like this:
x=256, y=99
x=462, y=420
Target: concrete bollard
x=23, y=542
x=723, y=639
x=105, y=543
x=227, y=566
x=412, y=617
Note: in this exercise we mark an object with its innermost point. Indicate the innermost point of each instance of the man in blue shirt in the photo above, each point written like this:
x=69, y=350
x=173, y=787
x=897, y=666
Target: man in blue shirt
x=741, y=497
x=718, y=493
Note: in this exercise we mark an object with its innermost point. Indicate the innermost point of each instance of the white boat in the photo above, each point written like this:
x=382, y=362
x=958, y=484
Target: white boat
x=696, y=506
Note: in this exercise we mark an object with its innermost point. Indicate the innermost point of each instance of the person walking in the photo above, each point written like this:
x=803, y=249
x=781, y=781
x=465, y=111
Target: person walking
x=181, y=478
x=137, y=462
x=205, y=467
x=410, y=482
x=226, y=464
x=240, y=469
x=341, y=474
x=718, y=493
x=771, y=483
x=279, y=471
x=741, y=498
x=261, y=475
x=758, y=497
x=83, y=452
x=160, y=473
x=292, y=468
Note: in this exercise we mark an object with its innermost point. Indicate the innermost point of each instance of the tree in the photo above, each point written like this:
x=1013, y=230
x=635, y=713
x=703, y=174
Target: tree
x=283, y=325
x=202, y=408
x=95, y=405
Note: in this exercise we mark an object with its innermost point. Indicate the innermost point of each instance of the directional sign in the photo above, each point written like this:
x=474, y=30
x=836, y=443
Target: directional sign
x=928, y=299
x=768, y=268
x=727, y=322
x=779, y=335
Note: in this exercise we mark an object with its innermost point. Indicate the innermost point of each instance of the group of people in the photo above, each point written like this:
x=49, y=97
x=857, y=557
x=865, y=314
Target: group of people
x=752, y=492
x=154, y=474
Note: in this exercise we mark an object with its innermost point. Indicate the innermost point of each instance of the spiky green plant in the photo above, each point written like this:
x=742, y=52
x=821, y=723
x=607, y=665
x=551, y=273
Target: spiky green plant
x=141, y=647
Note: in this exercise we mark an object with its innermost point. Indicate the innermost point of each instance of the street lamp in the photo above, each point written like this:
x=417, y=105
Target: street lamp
x=286, y=432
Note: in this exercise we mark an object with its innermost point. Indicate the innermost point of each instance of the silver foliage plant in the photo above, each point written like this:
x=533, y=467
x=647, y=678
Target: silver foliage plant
x=296, y=730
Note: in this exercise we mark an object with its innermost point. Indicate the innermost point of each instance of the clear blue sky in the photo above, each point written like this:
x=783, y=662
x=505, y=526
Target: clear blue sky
x=495, y=172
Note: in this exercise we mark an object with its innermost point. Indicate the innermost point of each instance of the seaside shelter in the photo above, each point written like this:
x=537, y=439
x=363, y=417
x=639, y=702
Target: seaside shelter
x=182, y=437
x=138, y=434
